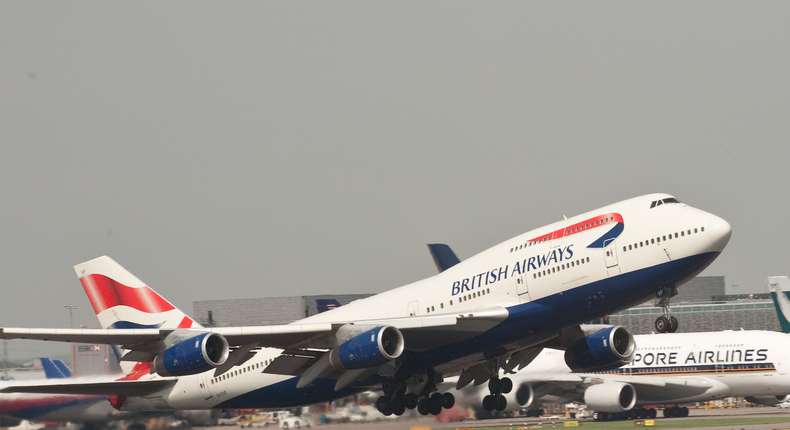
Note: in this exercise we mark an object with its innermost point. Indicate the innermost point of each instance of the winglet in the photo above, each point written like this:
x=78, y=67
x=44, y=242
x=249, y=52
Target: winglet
x=443, y=256
x=779, y=286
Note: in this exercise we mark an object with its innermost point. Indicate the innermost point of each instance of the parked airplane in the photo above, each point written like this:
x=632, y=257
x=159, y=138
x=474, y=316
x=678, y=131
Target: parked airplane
x=56, y=407
x=495, y=310
x=676, y=369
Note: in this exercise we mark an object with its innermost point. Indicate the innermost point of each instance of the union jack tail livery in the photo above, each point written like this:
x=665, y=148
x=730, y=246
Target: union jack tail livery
x=121, y=300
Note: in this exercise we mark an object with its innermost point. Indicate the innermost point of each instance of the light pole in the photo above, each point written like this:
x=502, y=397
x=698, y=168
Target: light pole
x=71, y=319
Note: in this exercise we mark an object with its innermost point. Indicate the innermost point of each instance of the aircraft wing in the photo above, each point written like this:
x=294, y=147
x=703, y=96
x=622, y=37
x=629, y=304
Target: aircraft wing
x=102, y=388
x=420, y=333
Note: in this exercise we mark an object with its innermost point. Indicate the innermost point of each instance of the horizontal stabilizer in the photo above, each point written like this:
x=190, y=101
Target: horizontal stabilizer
x=99, y=388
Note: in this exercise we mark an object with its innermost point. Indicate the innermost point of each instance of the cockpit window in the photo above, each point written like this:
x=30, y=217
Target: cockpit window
x=661, y=202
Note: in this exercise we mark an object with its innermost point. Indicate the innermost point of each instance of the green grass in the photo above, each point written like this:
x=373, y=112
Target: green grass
x=629, y=424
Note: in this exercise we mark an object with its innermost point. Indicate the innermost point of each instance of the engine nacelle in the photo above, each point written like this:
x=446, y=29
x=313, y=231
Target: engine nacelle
x=519, y=397
x=767, y=400
x=610, y=397
x=193, y=355
x=371, y=348
x=603, y=350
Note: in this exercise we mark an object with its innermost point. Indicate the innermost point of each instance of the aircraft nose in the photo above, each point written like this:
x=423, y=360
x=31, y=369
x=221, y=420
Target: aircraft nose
x=719, y=232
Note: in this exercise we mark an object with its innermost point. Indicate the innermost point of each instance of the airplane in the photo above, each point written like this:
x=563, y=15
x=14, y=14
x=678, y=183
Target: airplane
x=495, y=310
x=667, y=370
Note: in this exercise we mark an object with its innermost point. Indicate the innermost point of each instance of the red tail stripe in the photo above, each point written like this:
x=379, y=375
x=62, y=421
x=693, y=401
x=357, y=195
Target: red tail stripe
x=105, y=293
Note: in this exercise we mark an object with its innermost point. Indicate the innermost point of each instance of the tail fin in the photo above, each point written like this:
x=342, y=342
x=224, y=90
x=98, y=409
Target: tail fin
x=443, y=256
x=52, y=371
x=62, y=367
x=120, y=300
x=779, y=286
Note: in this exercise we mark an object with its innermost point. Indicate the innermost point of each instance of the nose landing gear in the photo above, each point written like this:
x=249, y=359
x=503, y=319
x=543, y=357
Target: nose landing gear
x=666, y=323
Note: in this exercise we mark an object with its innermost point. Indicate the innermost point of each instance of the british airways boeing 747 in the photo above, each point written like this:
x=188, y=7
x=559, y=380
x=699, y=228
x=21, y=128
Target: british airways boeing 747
x=495, y=310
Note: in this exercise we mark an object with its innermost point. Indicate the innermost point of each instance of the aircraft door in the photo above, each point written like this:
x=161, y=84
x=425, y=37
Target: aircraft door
x=413, y=307
x=610, y=253
x=204, y=390
x=781, y=365
x=521, y=286
x=558, y=234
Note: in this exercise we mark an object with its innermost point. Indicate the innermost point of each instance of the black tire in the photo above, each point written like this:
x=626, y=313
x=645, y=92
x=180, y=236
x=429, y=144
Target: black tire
x=410, y=400
x=500, y=403
x=662, y=324
x=684, y=412
x=668, y=413
x=436, y=404
x=388, y=386
x=424, y=406
x=494, y=385
x=400, y=386
x=384, y=405
x=399, y=406
x=506, y=384
x=673, y=325
x=488, y=403
x=651, y=413
x=448, y=401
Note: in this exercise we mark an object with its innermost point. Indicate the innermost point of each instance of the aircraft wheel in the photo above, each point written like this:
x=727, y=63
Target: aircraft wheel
x=400, y=386
x=384, y=405
x=410, y=400
x=651, y=413
x=662, y=323
x=388, y=386
x=668, y=413
x=596, y=416
x=424, y=406
x=399, y=406
x=436, y=403
x=488, y=403
x=506, y=384
x=684, y=411
x=494, y=385
x=448, y=400
x=673, y=325
x=500, y=403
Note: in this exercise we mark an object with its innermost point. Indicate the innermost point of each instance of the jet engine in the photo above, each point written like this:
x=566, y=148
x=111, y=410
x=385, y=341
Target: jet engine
x=610, y=397
x=603, y=350
x=371, y=348
x=193, y=355
x=768, y=400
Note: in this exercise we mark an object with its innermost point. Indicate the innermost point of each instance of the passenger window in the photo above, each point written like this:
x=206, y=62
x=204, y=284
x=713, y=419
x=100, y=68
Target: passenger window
x=695, y=230
x=689, y=232
x=682, y=233
x=702, y=228
x=623, y=249
x=676, y=235
x=652, y=241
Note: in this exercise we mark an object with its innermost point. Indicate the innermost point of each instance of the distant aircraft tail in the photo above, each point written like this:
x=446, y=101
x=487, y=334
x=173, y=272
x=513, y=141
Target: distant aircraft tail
x=443, y=256
x=779, y=286
x=53, y=370
x=324, y=305
x=121, y=300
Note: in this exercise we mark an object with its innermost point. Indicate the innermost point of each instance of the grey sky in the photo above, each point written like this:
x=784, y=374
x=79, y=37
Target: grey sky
x=231, y=150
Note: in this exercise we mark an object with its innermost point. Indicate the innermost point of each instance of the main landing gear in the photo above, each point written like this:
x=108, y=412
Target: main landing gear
x=395, y=400
x=666, y=323
x=496, y=400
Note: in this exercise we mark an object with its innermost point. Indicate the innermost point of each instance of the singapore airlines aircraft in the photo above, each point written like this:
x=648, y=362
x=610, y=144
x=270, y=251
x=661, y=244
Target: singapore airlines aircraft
x=497, y=309
x=667, y=369
x=674, y=369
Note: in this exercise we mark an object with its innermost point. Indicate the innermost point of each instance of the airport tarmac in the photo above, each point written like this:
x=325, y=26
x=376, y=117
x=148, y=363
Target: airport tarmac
x=547, y=422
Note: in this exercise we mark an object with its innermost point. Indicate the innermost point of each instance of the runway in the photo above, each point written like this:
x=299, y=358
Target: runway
x=736, y=414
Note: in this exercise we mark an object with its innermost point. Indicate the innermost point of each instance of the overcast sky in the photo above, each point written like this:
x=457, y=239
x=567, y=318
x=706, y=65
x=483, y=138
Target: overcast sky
x=251, y=149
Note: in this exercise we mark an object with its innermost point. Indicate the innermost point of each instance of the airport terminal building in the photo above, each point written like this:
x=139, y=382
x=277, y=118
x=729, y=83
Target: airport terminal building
x=701, y=305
